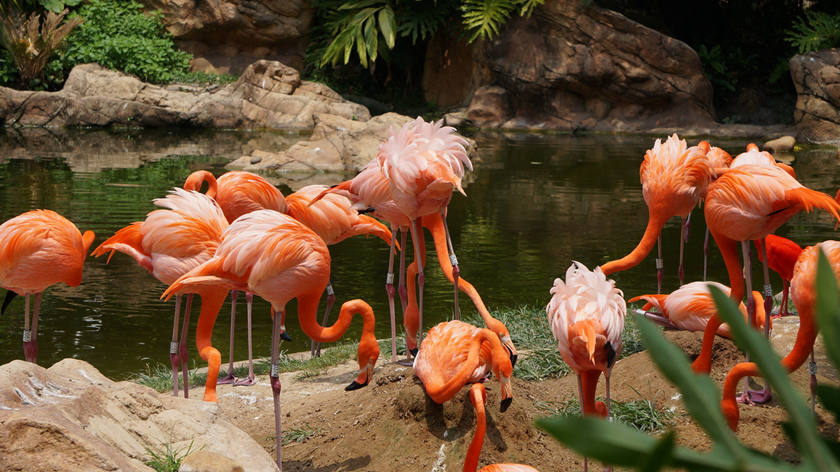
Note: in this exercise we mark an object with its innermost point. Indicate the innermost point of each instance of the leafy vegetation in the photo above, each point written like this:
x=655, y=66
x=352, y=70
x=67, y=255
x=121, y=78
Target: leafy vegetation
x=814, y=31
x=617, y=444
x=298, y=435
x=641, y=415
x=168, y=460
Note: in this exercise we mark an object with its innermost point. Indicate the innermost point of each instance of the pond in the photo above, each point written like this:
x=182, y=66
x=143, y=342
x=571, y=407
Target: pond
x=534, y=204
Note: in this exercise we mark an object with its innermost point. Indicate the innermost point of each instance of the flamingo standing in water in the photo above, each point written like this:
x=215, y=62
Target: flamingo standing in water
x=674, y=179
x=334, y=219
x=782, y=254
x=746, y=203
x=278, y=258
x=457, y=353
x=478, y=396
x=586, y=314
x=169, y=243
x=804, y=298
x=39, y=248
x=239, y=193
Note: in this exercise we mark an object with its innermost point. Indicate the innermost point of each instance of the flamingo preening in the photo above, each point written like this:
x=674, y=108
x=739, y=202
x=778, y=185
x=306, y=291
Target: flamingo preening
x=39, y=248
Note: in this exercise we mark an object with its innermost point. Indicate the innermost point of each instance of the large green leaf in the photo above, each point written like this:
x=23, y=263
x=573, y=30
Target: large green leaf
x=388, y=26
x=830, y=398
x=810, y=444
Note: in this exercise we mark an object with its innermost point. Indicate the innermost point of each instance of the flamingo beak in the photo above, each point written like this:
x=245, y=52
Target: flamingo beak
x=507, y=394
x=508, y=344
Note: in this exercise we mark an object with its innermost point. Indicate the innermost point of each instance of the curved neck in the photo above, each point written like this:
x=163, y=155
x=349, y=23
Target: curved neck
x=308, y=306
x=589, y=382
x=211, y=302
x=729, y=251
x=198, y=177
x=446, y=391
x=654, y=227
x=411, y=316
x=477, y=398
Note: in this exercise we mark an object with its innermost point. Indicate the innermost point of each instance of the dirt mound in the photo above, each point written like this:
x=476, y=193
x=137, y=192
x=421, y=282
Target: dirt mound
x=392, y=424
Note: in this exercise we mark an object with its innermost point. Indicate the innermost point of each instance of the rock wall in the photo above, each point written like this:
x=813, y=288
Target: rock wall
x=228, y=35
x=816, y=77
x=571, y=66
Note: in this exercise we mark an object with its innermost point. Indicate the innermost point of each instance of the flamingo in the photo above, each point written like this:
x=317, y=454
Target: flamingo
x=278, y=258
x=749, y=202
x=719, y=159
x=239, y=193
x=39, y=248
x=334, y=219
x=804, y=298
x=586, y=314
x=782, y=254
x=169, y=243
x=690, y=307
x=457, y=353
x=674, y=179
x=478, y=396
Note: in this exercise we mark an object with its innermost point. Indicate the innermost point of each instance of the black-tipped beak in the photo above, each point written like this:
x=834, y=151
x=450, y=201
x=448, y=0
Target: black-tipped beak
x=506, y=404
x=413, y=352
x=513, y=358
x=285, y=337
x=367, y=210
x=10, y=295
x=355, y=386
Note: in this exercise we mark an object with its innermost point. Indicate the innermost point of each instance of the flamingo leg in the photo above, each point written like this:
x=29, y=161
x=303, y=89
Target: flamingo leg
x=249, y=298
x=30, y=333
x=456, y=272
x=783, y=310
x=764, y=395
x=683, y=240
x=660, y=265
x=173, y=346
x=315, y=347
x=582, y=413
x=389, y=288
x=229, y=378
x=274, y=377
x=182, y=347
x=401, y=286
x=706, y=255
x=415, y=237
x=607, y=386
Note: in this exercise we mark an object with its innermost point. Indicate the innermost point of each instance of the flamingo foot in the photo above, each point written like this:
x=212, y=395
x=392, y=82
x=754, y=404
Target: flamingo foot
x=505, y=404
x=230, y=379
x=355, y=386
x=285, y=337
x=246, y=382
x=759, y=397
x=30, y=351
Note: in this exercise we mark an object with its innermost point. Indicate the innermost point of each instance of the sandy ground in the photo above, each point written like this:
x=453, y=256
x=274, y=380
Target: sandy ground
x=391, y=424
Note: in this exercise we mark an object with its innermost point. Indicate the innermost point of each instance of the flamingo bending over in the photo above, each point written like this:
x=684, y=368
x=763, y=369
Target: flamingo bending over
x=804, y=298
x=169, y=243
x=39, y=248
x=586, y=314
x=478, y=397
x=457, y=353
x=239, y=193
x=720, y=160
x=674, y=178
x=278, y=258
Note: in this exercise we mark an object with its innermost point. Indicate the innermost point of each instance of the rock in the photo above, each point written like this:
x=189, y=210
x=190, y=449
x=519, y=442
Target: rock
x=231, y=34
x=574, y=65
x=71, y=417
x=489, y=107
x=816, y=76
x=206, y=461
x=269, y=94
x=457, y=118
x=783, y=144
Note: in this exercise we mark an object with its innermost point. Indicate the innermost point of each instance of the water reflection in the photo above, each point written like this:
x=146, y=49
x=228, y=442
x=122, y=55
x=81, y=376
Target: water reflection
x=535, y=203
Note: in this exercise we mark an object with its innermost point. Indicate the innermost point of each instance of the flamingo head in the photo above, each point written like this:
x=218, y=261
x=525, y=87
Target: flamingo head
x=507, y=393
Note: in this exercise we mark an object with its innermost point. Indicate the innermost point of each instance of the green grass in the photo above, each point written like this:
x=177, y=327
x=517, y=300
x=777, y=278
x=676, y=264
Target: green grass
x=168, y=460
x=539, y=358
x=641, y=414
x=299, y=435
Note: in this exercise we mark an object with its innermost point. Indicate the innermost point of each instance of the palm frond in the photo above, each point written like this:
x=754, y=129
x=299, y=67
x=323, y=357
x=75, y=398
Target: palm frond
x=483, y=18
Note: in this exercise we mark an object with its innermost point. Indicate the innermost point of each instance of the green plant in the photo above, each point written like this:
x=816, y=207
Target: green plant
x=814, y=31
x=8, y=72
x=298, y=435
x=617, y=444
x=642, y=415
x=31, y=41
x=118, y=35
x=168, y=460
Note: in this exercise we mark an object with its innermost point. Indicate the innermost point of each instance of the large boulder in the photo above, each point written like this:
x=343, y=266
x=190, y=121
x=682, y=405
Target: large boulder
x=228, y=35
x=267, y=95
x=574, y=65
x=816, y=77
x=71, y=417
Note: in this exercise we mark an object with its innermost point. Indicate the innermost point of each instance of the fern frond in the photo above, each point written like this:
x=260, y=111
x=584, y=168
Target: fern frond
x=814, y=31
x=483, y=18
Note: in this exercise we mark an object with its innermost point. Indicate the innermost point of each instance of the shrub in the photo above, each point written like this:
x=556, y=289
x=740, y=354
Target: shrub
x=118, y=35
x=814, y=31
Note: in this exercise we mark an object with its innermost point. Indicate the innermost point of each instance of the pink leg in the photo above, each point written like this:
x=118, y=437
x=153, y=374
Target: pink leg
x=389, y=288
x=229, y=378
x=251, y=379
x=683, y=241
x=706, y=254
x=812, y=369
x=315, y=348
x=173, y=346
x=401, y=286
x=30, y=334
x=274, y=377
x=454, y=261
x=182, y=348
x=582, y=413
x=764, y=395
x=415, y=237
x=660, y=265
x=783, y=310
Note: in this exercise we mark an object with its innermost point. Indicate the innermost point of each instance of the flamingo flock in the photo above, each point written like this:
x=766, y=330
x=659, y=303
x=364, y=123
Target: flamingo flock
x=244, y=235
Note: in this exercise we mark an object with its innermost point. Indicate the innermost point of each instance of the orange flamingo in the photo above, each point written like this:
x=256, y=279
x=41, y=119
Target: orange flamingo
x=169, y=243
x=457, y=353
x=782, y=254
x=39, y=248
x=804, y=298
x=747, y=203
x=239, y=193
x=586, y=314
x=719, y=160
x=478, y=396
x=674, y=179
x=334, y=219
x=690, y=307
x=278, y=258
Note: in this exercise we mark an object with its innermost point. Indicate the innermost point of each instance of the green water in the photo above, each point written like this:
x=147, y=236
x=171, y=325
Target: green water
x=535, y=203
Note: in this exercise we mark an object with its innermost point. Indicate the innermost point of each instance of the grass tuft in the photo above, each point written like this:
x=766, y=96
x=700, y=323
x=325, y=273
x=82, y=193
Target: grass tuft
x=168, y=460
x=641, y=414
x=298, y=435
